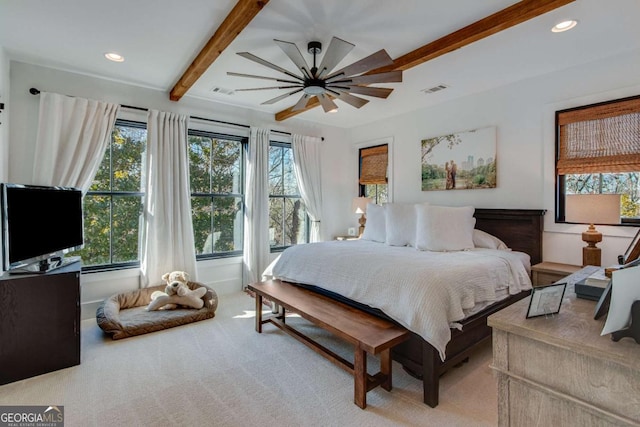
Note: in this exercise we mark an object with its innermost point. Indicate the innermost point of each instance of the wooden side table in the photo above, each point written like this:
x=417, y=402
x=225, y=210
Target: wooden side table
x=547, y=273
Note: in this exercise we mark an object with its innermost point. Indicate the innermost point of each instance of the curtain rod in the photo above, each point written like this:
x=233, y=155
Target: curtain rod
x=34, y=91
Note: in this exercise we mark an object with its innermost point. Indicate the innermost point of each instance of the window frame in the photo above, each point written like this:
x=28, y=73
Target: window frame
x=362, y=188
x=111, y=194
x=560, y=180
x=307, y=231
x=244, y=142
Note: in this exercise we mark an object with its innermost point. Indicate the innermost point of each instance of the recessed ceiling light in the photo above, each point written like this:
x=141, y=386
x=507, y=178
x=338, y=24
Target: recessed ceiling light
x=334, y=110
x=115, y=57
x=564, y=26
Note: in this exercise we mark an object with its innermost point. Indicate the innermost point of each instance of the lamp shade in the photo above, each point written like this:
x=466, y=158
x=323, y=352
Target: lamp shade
x=359, y=204
x=593, y=208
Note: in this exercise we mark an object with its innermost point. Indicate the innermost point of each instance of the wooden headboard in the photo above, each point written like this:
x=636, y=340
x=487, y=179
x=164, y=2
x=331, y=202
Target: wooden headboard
x=520, y=229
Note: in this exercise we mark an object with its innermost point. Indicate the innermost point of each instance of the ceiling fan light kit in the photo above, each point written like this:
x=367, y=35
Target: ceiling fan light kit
x=321, y=81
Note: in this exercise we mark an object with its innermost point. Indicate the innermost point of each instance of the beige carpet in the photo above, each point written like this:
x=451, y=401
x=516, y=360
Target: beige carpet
x=220, y=372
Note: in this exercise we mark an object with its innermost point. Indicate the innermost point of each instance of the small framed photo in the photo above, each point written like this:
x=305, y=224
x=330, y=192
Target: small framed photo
x=546, y=300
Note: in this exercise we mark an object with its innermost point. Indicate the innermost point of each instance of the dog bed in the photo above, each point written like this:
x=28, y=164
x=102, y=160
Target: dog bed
x=124, y=315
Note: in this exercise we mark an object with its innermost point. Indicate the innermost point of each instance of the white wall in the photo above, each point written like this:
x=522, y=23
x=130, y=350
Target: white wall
x=523, y=113
x=224, y=275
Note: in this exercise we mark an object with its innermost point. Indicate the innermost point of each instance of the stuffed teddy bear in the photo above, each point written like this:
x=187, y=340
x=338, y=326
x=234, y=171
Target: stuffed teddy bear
x=174, y=279
x=177, y=293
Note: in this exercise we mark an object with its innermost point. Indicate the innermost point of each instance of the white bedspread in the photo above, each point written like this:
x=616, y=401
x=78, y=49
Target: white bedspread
x=426, y=292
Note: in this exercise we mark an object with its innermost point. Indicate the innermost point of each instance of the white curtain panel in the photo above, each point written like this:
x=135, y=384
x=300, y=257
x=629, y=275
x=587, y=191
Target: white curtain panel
x=167, y=242
x=306, y=161
x=73, y=134
x=256, y=215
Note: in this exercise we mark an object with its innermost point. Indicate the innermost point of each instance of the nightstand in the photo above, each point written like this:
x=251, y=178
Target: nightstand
x=547, y=273
x=346, y=238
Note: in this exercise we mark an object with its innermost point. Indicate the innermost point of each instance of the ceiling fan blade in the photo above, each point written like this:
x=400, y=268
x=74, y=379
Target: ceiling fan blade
x=379, y=59
x=389, y=77
x=253, y=76
x=302, y=102
x=336, y=52
x=354, y=101
x=281, y=97
x=378, y=92
x=269, y=88
x=268, y=64
x=292, y=51
x=327, y=103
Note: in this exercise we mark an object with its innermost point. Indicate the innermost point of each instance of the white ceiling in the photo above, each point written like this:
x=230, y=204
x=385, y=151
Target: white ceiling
x=160, y=38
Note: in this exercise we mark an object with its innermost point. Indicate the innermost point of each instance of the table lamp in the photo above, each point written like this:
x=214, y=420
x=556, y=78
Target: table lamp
x=592, y=209
x=359, y=206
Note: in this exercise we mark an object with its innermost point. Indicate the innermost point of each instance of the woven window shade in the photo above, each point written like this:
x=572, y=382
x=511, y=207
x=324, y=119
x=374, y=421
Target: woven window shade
x=602, y=138
x=373, y=165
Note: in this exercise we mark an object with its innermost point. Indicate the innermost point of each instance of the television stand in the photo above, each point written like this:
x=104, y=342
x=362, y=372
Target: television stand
x=39, y=323
x=45, y=266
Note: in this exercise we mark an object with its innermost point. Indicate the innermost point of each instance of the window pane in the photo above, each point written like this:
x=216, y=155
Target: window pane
x=216, y=167
x=225, y=168
x=227, y=224
x=295, y=222
x=289, y=178
x=127, y=214
x=199, y=163
x=201, y=208
x=383, y=194
x=127, y=155
x=377, y=192
x=102, y=180
x=625, y=184
x=276, y=212
x=275, y=171
x=97, y=230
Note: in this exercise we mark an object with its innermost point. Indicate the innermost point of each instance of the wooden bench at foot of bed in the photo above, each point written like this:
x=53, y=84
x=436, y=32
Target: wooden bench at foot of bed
x=368, y=333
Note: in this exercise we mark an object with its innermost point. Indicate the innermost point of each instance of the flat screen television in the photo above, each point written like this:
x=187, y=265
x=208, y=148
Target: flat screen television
x=39, y=225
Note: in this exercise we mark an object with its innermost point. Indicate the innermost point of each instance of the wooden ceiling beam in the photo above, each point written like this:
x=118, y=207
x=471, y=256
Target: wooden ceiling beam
x=513, y=15
x=239, y=17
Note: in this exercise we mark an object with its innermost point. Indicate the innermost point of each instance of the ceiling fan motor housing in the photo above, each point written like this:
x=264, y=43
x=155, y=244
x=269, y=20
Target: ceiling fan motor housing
x=314, y=86
x=314, y=47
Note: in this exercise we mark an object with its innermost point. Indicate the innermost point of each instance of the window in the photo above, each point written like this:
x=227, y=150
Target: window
x=373, y=173
x=288, y=221
x=113, y=204
x=598, y=152
x=216, y=164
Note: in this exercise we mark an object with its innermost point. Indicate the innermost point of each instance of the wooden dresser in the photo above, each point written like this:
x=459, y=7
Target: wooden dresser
x=39, y=322
x=559, y=371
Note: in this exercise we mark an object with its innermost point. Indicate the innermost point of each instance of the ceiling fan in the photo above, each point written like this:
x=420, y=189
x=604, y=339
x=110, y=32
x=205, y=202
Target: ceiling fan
x=319, y=80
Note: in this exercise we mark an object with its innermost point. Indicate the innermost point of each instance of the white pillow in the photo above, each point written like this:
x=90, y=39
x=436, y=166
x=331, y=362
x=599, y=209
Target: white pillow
x=443, y=228
x=401, y=224
x=482, y=239
x=375, y=227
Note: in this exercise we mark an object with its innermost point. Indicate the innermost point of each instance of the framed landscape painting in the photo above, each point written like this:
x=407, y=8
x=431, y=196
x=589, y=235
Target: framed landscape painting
x=460, y=161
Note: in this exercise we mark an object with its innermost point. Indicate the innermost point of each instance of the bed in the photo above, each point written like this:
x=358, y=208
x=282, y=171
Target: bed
x=430, y=352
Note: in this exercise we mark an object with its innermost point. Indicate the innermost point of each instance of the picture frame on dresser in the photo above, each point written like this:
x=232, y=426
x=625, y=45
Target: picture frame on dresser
x=546, y=300
x=633, y=251
x=603, y=303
